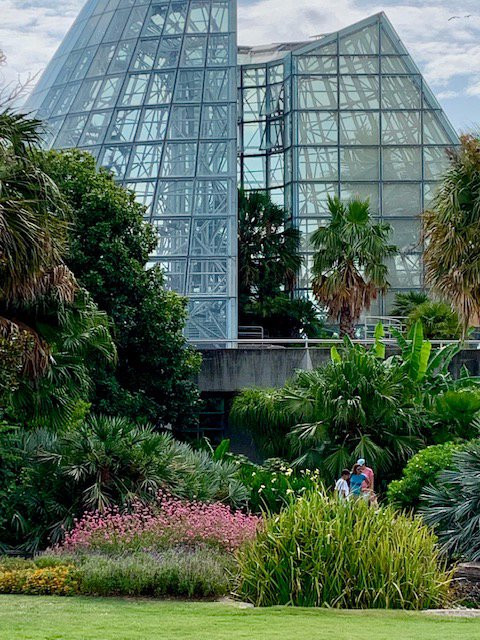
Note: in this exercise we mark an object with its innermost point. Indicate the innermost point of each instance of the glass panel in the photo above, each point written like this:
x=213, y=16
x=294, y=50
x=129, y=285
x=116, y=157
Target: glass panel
x=429, y=192
x=210, y=237
x=358, y=64
x=193, y=54
x=174, y=198
x=135, y=90
x=145, y=161
x=359, y=92
x=116, y=25
x=102, y=59
x=254, y=77
x=436, y=162
x=95, y=129
x=400, y=92
x=315, y=163
x=363, y=191
x=115, y=159
x=317, y=127
x=357, y=163
x=175, y=273
x=86, y=95
x=406, y=235
x=161, y=87
x=153, y=125
x=107, y=96
x=215, y=121
x=121, y=59
x=317, y=64
x=317, y=93
x=211, y=197
x=71, y=131
x=254, y=103
x=433, y=131
x=124, y=125
x=175, y=22
x=217, y=53
x=404, y=270
x=184, y=122
x=172, y=236
x=216, y=85
x=155, y=20
x=402, y=199
x=276, y=170
x=189, y=86
x=402, y=163
x=168, y=53
x=144, y=57
x=394, y=64
x=219, y=19
x=359, y=128
x=361, y=42
x=198, y=17
x=213, y=158
x=207, y=276
x=254, y=172
x=312, y=197
x=401, y=127
x=179, y=159
x=135, y=22
x=65, y=101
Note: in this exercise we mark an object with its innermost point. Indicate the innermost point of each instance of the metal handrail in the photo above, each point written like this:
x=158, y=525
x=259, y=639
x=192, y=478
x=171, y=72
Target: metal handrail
x=326, y=342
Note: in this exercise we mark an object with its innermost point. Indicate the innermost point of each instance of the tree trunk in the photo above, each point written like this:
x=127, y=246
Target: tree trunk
x=347, y=326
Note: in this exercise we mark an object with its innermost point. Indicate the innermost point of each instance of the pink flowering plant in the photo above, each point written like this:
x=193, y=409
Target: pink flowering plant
x=170, y=522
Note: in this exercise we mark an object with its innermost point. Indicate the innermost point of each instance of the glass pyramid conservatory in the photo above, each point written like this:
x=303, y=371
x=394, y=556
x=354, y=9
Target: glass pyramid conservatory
x=160, y=94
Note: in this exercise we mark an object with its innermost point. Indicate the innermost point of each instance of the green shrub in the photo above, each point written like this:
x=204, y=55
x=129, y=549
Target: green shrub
x=322, y=552
x=271, y=490
x=180, y=572
x=59, y=580
x=420, y=472
x=438, y=320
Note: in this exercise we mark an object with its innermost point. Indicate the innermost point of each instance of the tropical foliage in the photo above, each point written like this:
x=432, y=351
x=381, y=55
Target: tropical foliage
x=321, y=552
x=268, y=265
x=109, y=248
x=452, y=505
x=361, y=404
x=349, y=264
x=100, y=462
x=406, y=302
x=451, y=229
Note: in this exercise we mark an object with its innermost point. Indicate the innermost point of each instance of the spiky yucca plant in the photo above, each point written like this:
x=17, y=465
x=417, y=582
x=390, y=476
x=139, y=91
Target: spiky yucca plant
x=349, y=269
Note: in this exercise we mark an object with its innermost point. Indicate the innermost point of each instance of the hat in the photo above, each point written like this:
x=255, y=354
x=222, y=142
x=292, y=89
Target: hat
x=361, y=461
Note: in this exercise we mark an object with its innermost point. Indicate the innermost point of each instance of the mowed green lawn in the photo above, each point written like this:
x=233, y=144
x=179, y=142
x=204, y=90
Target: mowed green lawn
x=51, y=618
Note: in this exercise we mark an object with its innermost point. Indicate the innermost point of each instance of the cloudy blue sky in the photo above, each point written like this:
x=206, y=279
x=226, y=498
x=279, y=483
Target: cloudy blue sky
x=447, y=51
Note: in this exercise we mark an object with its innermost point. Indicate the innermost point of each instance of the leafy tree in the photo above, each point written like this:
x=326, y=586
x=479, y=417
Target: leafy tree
x=349, y=267
x=268, y=265
x=452, y=504
x=109, y=248
x=451, y=229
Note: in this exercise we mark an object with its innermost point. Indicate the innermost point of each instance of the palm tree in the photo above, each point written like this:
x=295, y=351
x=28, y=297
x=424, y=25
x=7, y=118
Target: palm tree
x=348, y=265
x=33, y=237
x=451, y=230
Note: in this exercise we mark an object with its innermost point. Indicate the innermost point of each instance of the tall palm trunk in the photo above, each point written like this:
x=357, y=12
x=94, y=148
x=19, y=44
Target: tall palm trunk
x=347, y=326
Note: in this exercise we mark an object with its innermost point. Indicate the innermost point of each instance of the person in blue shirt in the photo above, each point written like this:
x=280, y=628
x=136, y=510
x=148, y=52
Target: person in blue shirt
x=356, y=480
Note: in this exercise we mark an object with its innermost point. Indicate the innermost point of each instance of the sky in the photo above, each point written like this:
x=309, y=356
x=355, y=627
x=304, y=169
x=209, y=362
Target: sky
x=443, y=37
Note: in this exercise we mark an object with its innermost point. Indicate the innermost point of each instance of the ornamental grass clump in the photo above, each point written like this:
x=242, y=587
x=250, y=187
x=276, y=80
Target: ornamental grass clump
x=169, y=523
x=323, y=552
